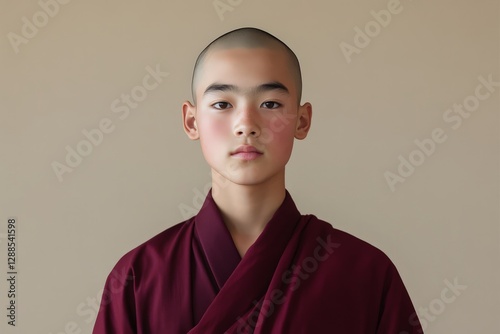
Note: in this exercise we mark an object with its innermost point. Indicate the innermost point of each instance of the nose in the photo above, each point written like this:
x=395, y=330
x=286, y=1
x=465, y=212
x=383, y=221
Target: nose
x=246, y=124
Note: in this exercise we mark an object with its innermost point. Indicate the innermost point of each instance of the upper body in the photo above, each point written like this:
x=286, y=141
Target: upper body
x=300, y=276
x=217, y=274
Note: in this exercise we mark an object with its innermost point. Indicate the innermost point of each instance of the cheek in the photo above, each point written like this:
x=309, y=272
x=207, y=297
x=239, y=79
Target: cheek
x=281, y=143
x=213, y=133
x=283, y=147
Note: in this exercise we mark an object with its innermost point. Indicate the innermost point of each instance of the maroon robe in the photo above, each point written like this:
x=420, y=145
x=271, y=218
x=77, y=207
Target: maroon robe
x=300, y=276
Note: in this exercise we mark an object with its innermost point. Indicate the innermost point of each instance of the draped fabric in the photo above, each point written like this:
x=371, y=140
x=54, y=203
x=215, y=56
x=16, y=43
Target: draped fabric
x=300, y=276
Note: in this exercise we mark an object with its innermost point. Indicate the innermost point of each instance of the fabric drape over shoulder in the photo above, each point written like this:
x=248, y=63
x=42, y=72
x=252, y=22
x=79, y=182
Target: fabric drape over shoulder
x=300, y=276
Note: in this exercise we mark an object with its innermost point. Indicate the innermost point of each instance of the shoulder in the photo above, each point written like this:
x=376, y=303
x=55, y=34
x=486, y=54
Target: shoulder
x=350, y=249
x=157, y=249
x=354, y=260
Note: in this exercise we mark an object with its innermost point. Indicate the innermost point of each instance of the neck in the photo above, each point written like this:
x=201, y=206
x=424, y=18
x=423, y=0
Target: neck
x=246, y=209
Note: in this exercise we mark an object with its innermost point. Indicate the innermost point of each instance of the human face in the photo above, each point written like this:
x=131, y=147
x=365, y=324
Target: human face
x=247, y=99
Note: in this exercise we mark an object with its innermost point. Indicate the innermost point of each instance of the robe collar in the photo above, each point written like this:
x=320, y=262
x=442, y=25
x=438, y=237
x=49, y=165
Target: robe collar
x=217, y=243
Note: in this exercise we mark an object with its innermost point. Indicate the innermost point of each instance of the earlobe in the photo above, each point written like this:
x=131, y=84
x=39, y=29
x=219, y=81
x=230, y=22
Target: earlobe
x=189, y=120
x=303, y=121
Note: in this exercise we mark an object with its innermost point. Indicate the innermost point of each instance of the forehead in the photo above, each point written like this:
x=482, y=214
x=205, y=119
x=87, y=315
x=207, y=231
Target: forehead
x=245, y=67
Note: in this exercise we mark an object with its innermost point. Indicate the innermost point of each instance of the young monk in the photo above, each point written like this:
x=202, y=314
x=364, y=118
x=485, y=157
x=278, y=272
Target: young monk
x=249, y=262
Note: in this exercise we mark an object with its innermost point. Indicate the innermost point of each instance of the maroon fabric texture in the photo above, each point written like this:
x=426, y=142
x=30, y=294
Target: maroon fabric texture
x=300, y=276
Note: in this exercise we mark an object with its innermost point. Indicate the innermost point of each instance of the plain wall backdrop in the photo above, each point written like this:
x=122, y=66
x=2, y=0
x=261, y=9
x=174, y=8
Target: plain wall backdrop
x=403, y=151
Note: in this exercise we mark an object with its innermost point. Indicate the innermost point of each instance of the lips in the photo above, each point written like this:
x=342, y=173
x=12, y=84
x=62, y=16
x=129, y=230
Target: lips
x=246, y=149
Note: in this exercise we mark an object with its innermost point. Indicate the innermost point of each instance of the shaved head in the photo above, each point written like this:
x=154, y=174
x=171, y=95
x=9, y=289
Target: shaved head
x=248, y=38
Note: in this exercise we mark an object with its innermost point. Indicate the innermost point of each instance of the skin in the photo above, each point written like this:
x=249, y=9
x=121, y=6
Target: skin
x=251, y=39
x=246, y=96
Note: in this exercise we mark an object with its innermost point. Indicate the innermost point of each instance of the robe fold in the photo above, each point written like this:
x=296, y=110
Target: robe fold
x=300, y=276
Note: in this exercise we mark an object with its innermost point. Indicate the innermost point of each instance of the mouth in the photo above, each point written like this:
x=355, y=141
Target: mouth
x=246, y=152
x=246, y=149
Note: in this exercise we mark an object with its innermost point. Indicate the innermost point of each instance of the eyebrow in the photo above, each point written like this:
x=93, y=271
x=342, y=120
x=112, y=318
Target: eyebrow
x=275, y=85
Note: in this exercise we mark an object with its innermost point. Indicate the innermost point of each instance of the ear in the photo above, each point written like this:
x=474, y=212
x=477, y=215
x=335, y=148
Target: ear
x=189, y=120
x=303, y=121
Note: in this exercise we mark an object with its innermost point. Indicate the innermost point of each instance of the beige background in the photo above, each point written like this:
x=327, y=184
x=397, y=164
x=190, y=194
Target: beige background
x=441, y=224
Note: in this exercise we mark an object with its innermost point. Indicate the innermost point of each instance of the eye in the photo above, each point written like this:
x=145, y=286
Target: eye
x=270, y=105
x=221, y=105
